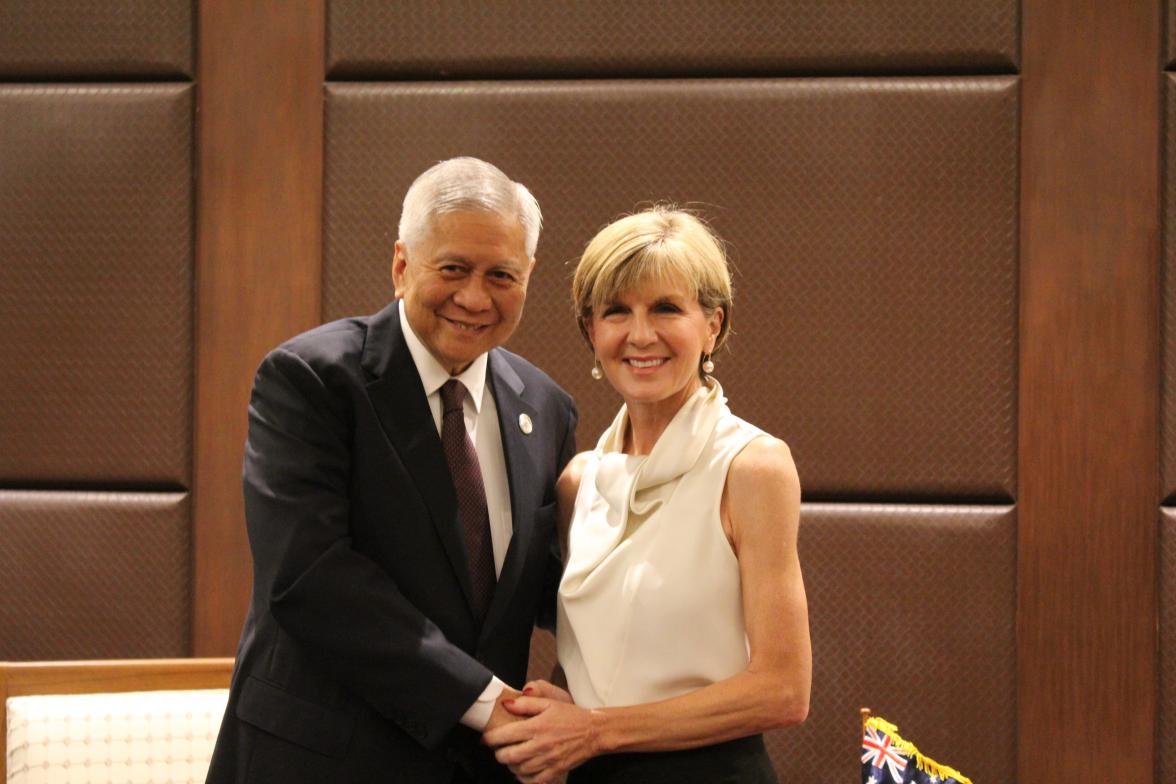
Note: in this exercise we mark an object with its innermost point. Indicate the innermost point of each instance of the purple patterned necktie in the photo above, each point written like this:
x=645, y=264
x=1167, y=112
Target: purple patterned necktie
x=471, y=494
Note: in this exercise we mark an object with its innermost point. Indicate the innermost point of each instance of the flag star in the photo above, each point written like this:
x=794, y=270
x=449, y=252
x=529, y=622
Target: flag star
x=873, y=780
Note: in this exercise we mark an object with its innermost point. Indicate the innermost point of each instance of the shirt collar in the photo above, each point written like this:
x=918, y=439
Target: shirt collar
x=433, y=374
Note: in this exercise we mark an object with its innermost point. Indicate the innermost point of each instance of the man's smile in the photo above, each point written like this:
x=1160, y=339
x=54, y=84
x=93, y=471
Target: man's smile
x=466, y=326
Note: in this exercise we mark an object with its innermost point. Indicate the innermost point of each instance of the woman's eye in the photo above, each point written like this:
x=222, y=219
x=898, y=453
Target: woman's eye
x=613, y=310
x=667, y=307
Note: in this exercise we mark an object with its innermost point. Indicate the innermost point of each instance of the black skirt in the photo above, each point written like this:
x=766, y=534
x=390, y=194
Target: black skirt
x=739, y=761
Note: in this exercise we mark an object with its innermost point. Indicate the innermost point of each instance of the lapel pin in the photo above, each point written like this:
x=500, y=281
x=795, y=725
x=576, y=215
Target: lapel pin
x=525, y=424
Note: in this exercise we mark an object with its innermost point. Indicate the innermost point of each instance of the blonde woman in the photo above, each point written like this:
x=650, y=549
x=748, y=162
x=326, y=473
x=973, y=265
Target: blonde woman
x=682, y=625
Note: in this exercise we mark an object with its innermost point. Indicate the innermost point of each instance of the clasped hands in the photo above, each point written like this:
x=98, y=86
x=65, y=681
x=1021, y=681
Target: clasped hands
x=540, y=734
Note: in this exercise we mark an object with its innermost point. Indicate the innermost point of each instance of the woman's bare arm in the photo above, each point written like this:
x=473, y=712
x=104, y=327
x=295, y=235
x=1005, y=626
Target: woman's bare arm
x=761, y=513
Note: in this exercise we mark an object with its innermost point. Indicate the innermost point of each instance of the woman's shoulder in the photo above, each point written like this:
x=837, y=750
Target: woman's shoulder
x=764, y=459
x=762, y=493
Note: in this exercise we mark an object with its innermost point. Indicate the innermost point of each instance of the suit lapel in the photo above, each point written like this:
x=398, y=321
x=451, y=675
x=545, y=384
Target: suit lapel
x=520, y=451
x=399, y=399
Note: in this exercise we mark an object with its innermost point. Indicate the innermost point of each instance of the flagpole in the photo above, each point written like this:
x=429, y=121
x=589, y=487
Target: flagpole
x=865, y=718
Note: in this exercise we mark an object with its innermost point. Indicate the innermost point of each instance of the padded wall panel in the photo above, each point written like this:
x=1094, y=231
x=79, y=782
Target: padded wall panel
x=367, y=38
x=64, y=39
x=1166, y=715
x=872, y=224
x=1170, y=36
x=1168, y=337
x=912, y=614
x=94, y=575
x=96, y=283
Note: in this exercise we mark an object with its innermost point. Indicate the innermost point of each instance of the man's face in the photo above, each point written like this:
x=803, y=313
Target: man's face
x=464, y=284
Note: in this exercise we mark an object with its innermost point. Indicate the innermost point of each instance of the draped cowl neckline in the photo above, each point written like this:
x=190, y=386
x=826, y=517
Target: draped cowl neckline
x=635, y=487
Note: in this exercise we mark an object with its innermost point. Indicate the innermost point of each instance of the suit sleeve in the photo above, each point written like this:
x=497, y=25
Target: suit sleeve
x=338, y=604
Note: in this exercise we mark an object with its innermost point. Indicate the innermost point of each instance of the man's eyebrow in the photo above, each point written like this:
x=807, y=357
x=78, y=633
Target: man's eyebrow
x=456, y=258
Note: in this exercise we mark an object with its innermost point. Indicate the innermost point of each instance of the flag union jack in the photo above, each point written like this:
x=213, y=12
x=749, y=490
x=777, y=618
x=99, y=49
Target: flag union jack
x=879, y=753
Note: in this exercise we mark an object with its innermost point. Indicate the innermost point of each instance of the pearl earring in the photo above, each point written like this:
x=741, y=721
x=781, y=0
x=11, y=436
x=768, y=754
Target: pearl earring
x=707, y=365
x=597, y=372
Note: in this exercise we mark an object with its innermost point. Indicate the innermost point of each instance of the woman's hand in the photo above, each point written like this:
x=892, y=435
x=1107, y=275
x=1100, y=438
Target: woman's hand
x=542, y=688
x=555, y=737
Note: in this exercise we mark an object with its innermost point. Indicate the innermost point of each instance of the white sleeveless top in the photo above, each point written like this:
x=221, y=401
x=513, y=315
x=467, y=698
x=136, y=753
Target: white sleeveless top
x=650, y=605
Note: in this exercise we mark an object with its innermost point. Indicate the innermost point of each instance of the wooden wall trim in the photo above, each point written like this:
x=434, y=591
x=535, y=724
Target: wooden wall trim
x=258, y=260
x=1088, y=396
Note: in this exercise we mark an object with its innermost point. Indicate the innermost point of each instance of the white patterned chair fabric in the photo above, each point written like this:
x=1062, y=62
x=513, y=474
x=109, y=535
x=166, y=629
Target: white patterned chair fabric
x=121, y=738
x=99, y=721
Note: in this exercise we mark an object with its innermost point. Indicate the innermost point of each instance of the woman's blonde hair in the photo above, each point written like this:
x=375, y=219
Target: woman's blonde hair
x=661, y=244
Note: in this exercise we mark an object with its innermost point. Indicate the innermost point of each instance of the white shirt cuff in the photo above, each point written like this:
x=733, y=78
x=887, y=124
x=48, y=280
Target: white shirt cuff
x=478, y=714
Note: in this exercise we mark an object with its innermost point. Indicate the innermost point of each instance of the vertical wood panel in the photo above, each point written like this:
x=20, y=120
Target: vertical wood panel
x=259, y=207
x=1088, y=393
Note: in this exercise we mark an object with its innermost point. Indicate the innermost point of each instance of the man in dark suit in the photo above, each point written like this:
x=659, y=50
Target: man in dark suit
x=400, y=502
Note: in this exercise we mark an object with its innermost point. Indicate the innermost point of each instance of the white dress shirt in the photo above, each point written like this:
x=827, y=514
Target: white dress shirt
x=481, y=421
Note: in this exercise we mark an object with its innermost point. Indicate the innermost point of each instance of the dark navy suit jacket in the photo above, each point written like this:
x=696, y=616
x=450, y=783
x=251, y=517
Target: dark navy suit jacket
x=361, y=650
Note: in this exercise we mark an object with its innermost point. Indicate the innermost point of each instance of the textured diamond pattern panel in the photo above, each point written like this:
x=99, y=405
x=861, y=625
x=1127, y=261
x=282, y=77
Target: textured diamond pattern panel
x=94, y=575
x=61, y=39
x=373, y=38
x=912, y=615
x=543, y=656
x=1168, y=382
x=1166, y=716
x=872, y=224
x=96, y=283
x=1170, y=29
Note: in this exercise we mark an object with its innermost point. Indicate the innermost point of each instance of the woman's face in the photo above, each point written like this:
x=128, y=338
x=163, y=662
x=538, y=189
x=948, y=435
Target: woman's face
x=650, y=340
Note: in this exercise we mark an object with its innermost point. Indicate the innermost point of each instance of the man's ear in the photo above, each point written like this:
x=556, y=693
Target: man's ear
x=527, y=274
x=399, y=268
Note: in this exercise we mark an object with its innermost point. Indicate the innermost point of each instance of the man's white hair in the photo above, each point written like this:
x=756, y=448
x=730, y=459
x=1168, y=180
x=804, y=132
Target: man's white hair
x=467, y=184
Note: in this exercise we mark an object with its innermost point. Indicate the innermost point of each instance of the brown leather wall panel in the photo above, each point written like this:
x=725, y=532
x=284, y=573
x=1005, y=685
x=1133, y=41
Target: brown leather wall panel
x=367, y=38
x=912, y=615
x=1170, y=36
x=64, y=39
x=1166, y=698
x=95, y=284
x=873, y=225
x=94, y=575
x=1168, y=293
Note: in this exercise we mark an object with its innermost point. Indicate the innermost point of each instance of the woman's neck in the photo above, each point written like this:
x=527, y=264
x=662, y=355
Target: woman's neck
x=647, y=421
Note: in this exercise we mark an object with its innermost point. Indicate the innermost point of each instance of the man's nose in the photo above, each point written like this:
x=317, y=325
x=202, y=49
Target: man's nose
x=472, y=294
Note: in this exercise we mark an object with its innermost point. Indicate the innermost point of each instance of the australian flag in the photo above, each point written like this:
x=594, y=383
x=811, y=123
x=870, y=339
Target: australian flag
x=888, y=759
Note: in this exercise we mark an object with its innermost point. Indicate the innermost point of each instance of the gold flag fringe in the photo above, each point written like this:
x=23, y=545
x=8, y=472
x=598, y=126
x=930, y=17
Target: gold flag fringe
x=905, y=747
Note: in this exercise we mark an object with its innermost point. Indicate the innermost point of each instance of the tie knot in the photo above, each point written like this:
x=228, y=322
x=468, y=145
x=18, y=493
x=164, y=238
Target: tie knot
x=452, y=396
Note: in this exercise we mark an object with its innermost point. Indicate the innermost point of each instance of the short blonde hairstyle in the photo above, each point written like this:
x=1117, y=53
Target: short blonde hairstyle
x=663, y=243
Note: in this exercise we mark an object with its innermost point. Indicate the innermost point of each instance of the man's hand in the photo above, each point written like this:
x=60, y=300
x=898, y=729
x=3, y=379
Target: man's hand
x=500, y=715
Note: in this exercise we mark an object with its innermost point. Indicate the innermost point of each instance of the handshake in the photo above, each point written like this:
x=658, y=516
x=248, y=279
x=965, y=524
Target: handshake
x=539, y=733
